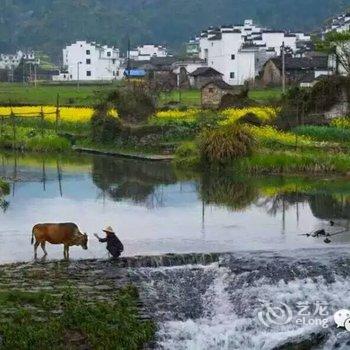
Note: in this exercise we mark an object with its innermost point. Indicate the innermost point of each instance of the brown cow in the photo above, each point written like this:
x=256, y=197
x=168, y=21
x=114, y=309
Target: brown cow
x=67, y=234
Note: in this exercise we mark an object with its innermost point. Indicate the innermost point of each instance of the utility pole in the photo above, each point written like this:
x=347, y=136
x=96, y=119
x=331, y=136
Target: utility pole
x=128, y=59
x=35, y=76
x=78, y=75
x=283, y=68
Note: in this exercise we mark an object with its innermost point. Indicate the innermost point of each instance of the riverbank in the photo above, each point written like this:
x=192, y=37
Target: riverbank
x=80, y=304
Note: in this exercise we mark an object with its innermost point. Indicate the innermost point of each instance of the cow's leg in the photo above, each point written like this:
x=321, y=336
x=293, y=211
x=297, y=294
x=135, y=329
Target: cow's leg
x=66, y=251
x=43, y=248
x=36, y=245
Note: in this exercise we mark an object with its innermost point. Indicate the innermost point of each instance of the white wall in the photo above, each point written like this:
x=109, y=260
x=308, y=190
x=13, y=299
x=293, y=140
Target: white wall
x=96, y=62
x=146, y=52
x=273, y=40
x=247, y=60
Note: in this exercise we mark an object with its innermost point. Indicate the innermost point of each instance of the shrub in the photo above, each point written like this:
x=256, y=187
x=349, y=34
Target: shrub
x=250, y=118
x=187, y=155
x=105, y=127
x=133, y=105
x=4, y=188
x=225, y=143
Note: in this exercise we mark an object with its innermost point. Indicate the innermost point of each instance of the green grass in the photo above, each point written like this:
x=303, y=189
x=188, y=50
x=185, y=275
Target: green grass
x=87, y=95
x=265, y=95
x=36, y=123
x=40, y=321
x=324, y=133
x=28, y=139
x=294, y=163
x=191, y=97
x=69, y=95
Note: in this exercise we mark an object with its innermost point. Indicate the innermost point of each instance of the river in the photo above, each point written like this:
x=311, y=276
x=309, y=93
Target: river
x=258, y=225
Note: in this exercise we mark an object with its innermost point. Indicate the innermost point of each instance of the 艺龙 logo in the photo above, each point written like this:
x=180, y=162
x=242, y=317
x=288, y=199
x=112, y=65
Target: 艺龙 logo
x=275, y=315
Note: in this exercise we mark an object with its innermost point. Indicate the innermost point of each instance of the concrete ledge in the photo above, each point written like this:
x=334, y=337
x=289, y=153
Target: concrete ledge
x=139, y=156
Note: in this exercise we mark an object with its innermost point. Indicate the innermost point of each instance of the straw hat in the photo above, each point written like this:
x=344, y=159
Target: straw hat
x=108, y=229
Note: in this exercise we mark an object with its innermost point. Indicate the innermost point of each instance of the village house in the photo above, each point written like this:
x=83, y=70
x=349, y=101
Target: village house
x=340, y=23
x=240, y=51
x=158, y=70
x=87, y=61
x=213, y=93
x=299, y=70
x=146, y=52
x=183, y=69
x=203, y=75
x=9, y=63
x=12, y=61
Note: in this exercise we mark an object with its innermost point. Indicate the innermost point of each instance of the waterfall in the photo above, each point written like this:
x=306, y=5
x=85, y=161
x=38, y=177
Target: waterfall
x=217, y=306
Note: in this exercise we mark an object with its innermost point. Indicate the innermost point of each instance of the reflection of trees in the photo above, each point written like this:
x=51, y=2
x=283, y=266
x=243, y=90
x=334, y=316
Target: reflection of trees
x=130, y=179
x=282, y=201
x=227, y=191
x=330, y=207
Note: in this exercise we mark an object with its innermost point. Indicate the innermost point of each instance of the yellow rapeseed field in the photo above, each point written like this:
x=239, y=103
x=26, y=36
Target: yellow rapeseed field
x=343, y=122
x=67, y=114
x=270, y=135
x=265, y=114
x=176, y=115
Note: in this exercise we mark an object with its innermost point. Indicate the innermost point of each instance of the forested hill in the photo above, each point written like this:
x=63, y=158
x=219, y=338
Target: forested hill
x=49, y=24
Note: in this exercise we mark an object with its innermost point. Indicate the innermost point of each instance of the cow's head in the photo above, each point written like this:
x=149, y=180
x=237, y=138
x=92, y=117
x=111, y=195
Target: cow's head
x=83, y=241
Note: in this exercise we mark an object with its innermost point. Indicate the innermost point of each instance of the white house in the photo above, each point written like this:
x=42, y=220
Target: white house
x=12, y=61
x=239, y=51
x=339, y=23
x=90, y=61
x=146, y=52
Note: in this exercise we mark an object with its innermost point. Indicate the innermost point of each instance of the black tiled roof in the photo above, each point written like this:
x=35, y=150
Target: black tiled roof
x=302, y=63
x=220, y=84
x=205, y=72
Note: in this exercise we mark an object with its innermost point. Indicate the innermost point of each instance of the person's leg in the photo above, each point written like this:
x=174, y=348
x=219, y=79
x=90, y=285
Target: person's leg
x=115, y=253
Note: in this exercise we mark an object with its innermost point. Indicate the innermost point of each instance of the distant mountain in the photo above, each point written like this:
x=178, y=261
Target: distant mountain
x=50, y=24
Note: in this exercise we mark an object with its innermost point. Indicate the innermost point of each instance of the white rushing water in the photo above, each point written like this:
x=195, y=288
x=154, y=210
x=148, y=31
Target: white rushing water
x=216, y=307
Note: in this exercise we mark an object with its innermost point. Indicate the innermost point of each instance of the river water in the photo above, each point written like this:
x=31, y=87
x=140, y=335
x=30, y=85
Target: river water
x=259, y=223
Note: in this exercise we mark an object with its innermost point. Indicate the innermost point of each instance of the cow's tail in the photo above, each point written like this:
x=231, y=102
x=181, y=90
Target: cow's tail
x=32, y=241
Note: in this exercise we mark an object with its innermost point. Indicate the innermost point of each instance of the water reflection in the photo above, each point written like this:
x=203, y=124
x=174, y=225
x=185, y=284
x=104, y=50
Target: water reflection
x=159, y=209
x=133, y=180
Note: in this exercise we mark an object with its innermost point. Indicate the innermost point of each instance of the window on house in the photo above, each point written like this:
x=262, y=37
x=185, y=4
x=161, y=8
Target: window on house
x=233, y=57
x=108, y=54
x=88, y=61
x=232, y=75
x=71, y=76
x=88, y=52
x=88, y=73
x=113, y=61
x=114, y=73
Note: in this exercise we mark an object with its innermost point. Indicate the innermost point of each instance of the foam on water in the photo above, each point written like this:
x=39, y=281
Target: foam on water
x=212, y=307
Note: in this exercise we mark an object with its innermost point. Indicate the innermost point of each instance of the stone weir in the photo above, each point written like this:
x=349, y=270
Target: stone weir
x=95, y=280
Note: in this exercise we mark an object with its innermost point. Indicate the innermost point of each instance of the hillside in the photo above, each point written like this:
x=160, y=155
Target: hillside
x=50, y=24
